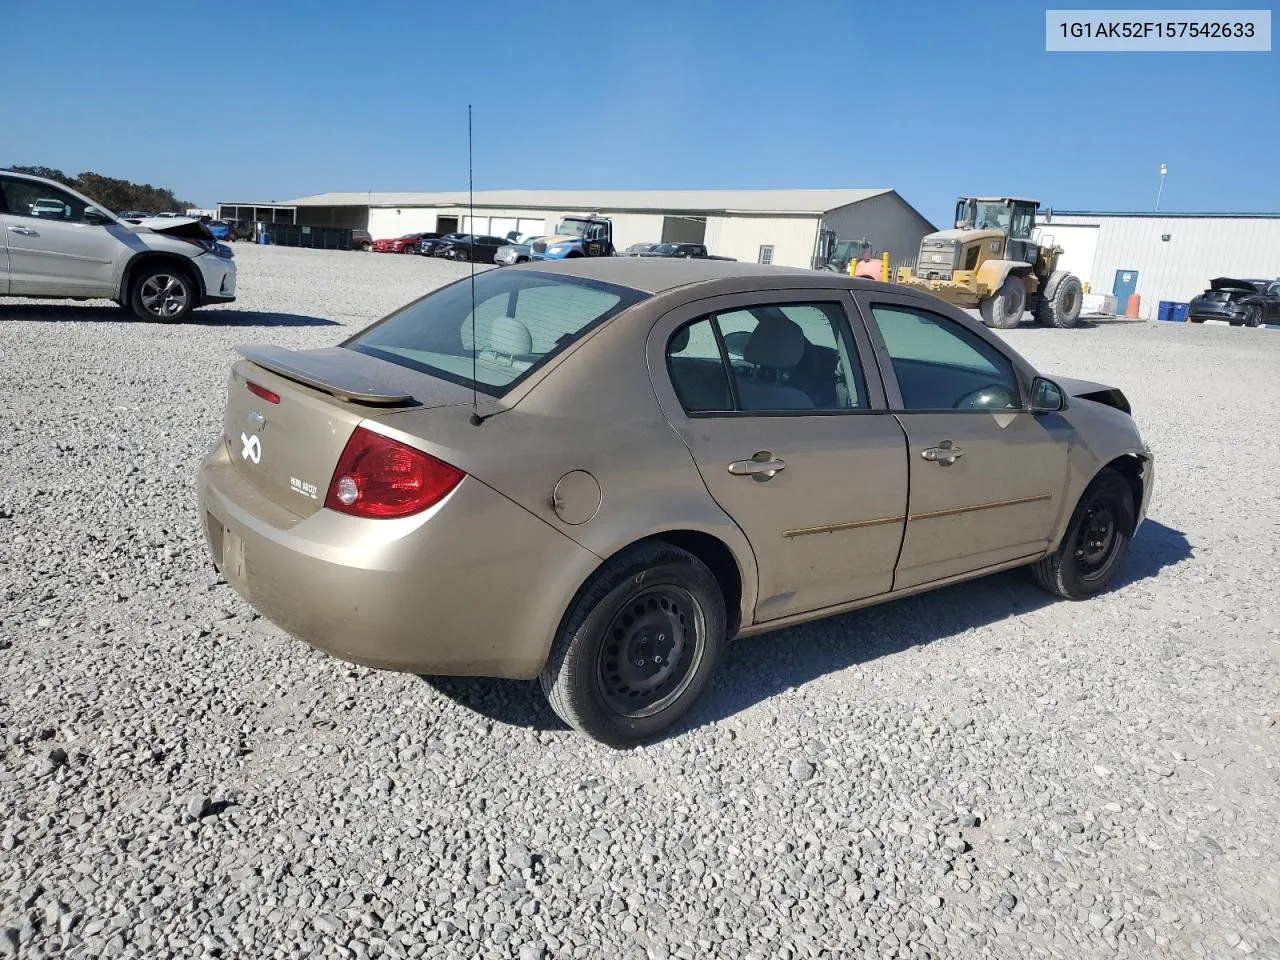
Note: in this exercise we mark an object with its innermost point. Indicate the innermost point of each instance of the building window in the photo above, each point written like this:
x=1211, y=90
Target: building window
x=766, y=254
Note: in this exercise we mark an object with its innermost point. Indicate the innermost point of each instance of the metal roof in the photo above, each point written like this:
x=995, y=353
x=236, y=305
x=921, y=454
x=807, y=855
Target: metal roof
x=794, y=202
x=1156, y=214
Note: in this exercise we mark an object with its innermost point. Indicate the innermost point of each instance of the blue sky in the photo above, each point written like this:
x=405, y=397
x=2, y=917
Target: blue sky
x=228, y=100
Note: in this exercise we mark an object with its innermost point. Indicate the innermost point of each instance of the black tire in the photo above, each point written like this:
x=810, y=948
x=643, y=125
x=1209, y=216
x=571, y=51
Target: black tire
x=366, y=247
x=162, y=293
x=1004, y=308
x=652, y=598
x=1060, y=305
x=1253, y=318
x=462, y=254
x=1086, y=561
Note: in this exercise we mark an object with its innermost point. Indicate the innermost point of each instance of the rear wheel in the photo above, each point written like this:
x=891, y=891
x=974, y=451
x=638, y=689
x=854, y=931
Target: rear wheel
x=1095, y=543
x=163, y=292
x=637, y=646
x=1061, y=303
x=1003, y=309
x=1253, y=317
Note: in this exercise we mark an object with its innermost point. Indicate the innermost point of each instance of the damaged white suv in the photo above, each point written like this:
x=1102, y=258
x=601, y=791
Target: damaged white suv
x=55, y=242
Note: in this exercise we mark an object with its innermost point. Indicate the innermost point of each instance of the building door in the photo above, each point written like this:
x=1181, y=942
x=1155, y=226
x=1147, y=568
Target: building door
x=684, y=229
x=1126, y=283
x=446, y=225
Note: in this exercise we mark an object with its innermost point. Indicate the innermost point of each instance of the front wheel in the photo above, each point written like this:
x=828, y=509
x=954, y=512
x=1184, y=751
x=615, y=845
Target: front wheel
x=1061, y=307
x=1003, y=309
x=637, y=646
x=1253, y=318
x=1095, y=543
x=163, y=293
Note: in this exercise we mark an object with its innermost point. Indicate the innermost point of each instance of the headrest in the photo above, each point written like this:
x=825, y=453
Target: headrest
x=776, y=342
x=510, y=336
x=679, y=341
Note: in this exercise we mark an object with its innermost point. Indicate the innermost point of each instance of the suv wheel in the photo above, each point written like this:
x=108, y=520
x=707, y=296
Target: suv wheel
x=162, y=292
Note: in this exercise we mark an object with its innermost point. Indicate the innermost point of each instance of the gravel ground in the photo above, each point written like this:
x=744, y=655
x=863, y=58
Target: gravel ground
x=977, y=772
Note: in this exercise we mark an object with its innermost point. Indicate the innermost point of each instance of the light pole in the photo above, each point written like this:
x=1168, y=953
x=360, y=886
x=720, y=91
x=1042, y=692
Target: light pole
x=1163, y=170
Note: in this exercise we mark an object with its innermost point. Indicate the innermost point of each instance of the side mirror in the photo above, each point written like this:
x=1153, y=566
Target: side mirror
x=95, y=217
x=1046, y=396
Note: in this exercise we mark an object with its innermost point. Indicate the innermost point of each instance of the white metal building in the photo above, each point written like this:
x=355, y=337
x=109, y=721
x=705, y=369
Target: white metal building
x=1161, y=256
x=771, y=226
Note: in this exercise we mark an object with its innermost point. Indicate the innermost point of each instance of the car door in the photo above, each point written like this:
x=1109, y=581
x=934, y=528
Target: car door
x=4, y=248
x=52, y=249
x=781, y=407
x=1273, y=303
x=987, y=477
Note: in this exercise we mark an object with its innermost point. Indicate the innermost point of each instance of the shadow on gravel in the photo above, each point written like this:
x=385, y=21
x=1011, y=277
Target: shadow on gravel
x=757, y=668
x=517, y=703
x=215, y=317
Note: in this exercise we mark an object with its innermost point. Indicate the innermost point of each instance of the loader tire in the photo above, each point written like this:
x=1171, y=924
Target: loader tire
x=1004, y=308
x=1060, y=303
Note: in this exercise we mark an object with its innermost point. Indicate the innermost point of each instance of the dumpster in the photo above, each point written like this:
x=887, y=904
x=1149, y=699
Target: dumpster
x=1165, y=310
x=1180, y=312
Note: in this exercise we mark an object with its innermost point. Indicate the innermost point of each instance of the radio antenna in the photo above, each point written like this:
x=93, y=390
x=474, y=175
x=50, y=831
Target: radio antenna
x=476, y=419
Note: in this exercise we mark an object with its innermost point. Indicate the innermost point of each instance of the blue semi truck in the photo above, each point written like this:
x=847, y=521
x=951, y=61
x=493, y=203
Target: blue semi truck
x=576, y=237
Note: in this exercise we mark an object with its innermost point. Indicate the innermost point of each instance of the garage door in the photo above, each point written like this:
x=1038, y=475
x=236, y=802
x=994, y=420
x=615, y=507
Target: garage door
x=536, y=227
x=501, y=226
x=476, y=225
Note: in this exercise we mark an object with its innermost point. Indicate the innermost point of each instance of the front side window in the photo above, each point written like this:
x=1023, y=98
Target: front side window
x=27, y=198
x=768, y=358
x=521, y=321
x=1024, y=221
x=939, y=365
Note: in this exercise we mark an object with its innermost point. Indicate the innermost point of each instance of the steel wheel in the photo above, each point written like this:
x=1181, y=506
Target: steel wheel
x=650, y=651
x=1097, y=541
x=165, y=295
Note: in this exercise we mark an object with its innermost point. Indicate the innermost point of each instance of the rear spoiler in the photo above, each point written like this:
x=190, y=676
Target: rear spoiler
x=343, y=373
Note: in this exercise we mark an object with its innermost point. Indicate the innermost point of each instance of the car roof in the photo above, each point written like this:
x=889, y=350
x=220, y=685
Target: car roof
x=657, y=275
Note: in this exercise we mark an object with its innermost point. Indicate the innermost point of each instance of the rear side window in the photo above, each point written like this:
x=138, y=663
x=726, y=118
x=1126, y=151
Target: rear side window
x=520, y=322
x=770, y=358
x=27, y=198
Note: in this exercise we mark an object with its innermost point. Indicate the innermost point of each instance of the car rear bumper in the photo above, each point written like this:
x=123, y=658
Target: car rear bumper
x=474, y=586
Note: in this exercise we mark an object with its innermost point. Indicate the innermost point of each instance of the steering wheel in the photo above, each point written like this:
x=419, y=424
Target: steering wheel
x=994, y=396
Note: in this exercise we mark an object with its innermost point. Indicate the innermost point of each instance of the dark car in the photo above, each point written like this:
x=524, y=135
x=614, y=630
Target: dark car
x=361, y=240
x=429, y=244
x=475, y=247
x=240, y=229
x=1248, y=303
x=686, y=250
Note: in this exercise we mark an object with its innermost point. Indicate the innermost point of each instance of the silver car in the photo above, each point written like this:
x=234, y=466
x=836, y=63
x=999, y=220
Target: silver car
x=513, y=253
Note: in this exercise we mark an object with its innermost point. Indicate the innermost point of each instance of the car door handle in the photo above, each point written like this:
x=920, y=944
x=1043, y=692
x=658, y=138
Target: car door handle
x=762, y=466
x=945, y=453
x=25, y=231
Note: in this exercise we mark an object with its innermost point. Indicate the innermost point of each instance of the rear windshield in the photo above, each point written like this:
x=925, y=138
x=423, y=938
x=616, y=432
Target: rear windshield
x=522, y=319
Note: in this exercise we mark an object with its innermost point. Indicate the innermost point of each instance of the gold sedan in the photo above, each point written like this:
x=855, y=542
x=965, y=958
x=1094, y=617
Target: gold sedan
x=599, y=471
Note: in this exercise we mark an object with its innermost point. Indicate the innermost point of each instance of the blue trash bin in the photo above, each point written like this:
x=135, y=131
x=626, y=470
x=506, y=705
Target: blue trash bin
x=1165, y=310
x=1180, y=311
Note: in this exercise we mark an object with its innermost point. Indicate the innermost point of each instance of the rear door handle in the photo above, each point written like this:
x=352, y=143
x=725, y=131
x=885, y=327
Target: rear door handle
x=945, y=453
x=762, y=466
x=25, y=231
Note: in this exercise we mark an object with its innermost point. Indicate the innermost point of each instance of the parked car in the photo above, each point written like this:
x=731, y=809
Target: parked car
x=427, y=247
x=240, y=229
x=220, y=229
x=687, y=250
x=636, y=249
x=361, y=240
x=470, y=247
x=448, y=491
x=61, y=243
x=405, y=244
x=1247, y=303
x=514, y=252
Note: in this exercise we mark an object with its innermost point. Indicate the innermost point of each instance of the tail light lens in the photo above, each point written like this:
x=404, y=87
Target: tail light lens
x=380, y=477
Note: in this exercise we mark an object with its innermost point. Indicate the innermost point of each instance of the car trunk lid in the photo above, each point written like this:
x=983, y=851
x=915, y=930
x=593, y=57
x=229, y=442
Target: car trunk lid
x=290, y=413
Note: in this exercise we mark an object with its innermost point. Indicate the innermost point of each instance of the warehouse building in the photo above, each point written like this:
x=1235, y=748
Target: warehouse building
x=1162, y=256
x=785, y=227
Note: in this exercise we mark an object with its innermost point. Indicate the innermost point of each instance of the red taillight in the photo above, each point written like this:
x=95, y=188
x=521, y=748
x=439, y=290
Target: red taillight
x=267, y=395
x=380, y=477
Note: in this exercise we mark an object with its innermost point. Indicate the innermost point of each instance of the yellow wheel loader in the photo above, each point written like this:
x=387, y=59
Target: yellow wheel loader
x=990, y=261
